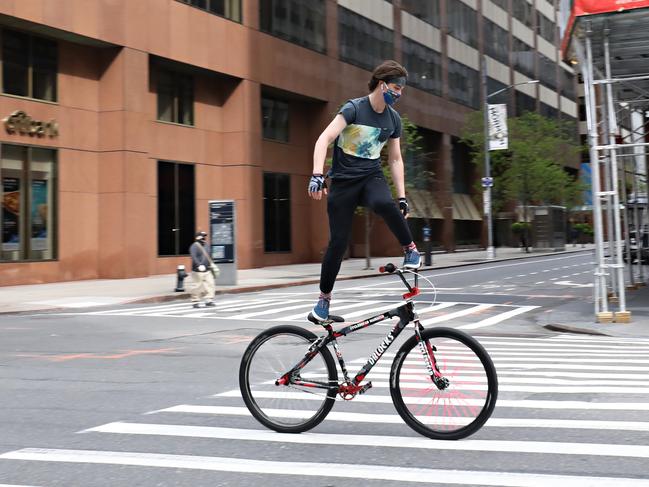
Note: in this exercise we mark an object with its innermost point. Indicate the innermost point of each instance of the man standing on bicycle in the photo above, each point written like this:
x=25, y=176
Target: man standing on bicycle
x=359, y=131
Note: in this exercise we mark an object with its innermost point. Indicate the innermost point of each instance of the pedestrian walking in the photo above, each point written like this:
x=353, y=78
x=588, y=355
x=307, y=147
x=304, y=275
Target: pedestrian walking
x=359, y=131
x=204, y=272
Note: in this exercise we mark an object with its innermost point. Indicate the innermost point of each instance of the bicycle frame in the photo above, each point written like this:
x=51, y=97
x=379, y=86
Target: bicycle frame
x=349, y=388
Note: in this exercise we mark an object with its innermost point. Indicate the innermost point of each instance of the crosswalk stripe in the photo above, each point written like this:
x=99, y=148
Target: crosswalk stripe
x=566, y=389
x=335, y=310
x=498, y=318
x=501, y=403
x=457, y=314
x=275, y=310
x=310, y=438
x=396, y=419
x=509, y=380
x=177, y=307
x=556, y=374
x=337, y=470
x=504, y=364
x=530, y=343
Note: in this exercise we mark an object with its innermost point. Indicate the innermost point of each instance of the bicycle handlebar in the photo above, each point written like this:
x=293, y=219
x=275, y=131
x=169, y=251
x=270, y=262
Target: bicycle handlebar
x=412, y=290
x=389, y=268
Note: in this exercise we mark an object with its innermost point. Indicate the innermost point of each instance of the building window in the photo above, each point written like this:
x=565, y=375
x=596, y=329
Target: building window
x=363, y=42
x=548, y=111
x=427, y=11
x=496, y=42
x=29, y=66
x=176, y=208
x=302, y=22
x=462, y=22
x=547, y=72
x=546, y=28
x=524, y=57
x=464, y=84
x=424, y=66
x=28, y=210
x=504, y=4
x=230, y=9
x=277, y=212
x=503, y=97
x=524, y=103
x=567, y=80
x=524, y=12
x=463, y=168
x=274, y=119
x=175, y=97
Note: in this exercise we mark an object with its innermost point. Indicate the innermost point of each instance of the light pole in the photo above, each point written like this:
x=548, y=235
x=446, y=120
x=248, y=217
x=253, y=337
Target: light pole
x=487, y=181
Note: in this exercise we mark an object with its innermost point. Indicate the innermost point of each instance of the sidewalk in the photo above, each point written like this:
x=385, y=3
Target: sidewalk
x=102, y=292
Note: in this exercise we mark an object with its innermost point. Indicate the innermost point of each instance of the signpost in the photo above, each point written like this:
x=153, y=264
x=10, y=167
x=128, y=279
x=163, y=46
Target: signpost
x=223, y=241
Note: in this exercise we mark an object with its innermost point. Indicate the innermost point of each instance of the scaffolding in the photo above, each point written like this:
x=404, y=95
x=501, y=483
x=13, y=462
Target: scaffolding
x=607, y=41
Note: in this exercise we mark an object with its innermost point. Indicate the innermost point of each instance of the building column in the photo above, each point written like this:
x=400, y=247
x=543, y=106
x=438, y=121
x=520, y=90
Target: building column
x=243, y=170
x=127, y=177
x=445, y=192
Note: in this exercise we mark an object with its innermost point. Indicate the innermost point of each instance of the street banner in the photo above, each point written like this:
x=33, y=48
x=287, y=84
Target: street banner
x=497, y=115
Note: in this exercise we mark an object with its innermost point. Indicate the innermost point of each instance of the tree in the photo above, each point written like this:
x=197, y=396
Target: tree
x=531, y=170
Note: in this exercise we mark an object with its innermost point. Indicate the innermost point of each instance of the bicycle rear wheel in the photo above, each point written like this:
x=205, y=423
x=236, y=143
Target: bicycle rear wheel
x=447, y=411
x=287, y=408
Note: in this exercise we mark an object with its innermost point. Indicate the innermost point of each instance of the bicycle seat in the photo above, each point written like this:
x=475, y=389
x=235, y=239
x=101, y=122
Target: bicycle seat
x=332, y=319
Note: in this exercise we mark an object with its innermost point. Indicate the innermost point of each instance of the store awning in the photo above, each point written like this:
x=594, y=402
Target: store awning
x=464, y=208
x=422, y=204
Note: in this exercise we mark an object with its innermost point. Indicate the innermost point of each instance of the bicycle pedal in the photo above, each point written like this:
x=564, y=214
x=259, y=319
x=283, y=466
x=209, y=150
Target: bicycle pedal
x=365, y=388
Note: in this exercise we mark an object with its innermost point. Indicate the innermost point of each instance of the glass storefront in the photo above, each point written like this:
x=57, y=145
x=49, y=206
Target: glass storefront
x=28, y=210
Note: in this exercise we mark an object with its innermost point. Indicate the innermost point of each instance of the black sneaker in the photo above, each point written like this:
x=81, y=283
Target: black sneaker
x=196, y=305
x=210, y=304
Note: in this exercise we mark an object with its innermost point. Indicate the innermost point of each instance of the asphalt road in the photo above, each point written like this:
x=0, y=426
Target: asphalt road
x=148, y=395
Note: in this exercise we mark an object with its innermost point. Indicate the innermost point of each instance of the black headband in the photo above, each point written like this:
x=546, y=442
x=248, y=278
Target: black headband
x=397, y=80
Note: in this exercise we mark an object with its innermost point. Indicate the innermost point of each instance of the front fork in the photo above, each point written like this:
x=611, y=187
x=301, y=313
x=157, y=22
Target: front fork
x=428, y=351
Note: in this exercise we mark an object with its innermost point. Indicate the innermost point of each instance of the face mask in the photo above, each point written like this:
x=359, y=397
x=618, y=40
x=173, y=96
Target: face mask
x=390, y=97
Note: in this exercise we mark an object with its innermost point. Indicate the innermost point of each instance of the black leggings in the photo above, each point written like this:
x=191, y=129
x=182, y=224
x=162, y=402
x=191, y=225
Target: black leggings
x=344, y=197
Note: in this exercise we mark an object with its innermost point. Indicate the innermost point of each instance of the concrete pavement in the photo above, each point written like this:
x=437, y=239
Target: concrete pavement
x=102, y=292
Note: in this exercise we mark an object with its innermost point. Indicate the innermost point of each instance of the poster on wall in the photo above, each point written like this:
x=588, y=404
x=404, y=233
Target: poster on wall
x=39, y=214
x=10, y=214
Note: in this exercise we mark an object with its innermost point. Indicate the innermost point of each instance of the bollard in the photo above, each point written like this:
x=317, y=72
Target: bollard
x=180, y=277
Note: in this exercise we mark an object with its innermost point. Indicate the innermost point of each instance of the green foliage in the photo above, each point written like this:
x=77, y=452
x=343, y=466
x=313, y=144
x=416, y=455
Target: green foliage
x=583, y=228
x=520, y=227
x=531, y=170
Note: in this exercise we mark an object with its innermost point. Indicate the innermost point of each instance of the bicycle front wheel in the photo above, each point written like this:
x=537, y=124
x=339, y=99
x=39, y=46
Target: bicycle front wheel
x=289, y=408
x=462, y=399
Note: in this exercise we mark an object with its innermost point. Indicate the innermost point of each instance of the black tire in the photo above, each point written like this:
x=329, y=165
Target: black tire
x=286, y=408
x=471, y=398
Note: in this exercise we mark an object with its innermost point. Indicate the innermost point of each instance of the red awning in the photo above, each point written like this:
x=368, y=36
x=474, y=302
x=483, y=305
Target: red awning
x=581, y=8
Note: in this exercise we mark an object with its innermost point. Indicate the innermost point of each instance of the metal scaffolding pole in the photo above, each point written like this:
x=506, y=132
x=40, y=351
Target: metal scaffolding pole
x=599, y=289
x=622, y=315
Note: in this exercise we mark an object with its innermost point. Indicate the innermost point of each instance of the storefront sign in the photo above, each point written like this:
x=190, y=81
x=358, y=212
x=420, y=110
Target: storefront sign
x=20, y=122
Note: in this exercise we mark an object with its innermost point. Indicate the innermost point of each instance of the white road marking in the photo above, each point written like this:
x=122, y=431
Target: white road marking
x=545, y=447
x=396, y=419
x=502, y=403
x=498, y=318
x=457, y=314
x=337, y=470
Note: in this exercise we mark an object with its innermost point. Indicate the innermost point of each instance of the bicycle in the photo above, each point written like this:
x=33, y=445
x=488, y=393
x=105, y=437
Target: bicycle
x=447, y=389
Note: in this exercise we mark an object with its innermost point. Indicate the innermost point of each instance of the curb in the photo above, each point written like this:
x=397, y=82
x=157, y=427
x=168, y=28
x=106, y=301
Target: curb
x=573, y=329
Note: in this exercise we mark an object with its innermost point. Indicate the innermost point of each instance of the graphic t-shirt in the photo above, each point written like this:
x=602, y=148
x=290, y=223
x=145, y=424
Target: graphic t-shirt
x=357, y=149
